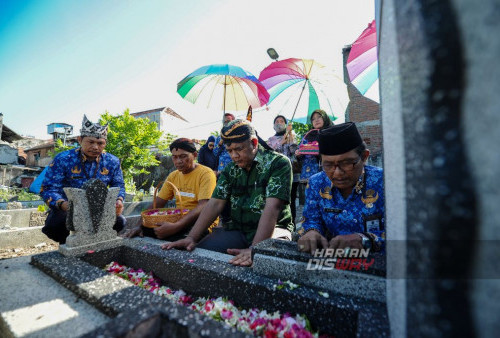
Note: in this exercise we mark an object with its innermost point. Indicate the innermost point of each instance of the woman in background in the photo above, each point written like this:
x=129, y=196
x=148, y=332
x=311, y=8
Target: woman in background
x=310, y=163
x=206, y=154
x=283, y=142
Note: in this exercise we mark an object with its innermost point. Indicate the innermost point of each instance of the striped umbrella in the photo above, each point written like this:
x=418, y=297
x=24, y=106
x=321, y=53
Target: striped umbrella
x=300, y=86
x=228, y=87
x=362, y=63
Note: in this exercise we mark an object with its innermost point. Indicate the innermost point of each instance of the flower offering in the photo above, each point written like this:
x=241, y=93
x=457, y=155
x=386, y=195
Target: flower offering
x=253, y=321
x=157, y=212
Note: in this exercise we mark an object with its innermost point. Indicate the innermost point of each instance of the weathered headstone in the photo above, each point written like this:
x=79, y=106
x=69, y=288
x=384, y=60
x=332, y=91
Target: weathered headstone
x=5, y=221
x=90, y=219
x=37, y=218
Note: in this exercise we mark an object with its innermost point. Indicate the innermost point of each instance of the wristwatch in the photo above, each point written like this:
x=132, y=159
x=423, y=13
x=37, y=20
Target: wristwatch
x=365, y=241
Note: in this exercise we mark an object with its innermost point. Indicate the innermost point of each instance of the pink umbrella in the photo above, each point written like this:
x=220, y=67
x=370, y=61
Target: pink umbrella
x=288, y=79
x=362, y=64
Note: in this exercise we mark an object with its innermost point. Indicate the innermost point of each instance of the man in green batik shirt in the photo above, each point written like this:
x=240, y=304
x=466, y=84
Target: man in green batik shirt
x=257, y=183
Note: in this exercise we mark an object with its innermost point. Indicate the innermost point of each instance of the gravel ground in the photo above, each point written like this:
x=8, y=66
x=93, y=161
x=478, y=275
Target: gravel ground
x=39, y=248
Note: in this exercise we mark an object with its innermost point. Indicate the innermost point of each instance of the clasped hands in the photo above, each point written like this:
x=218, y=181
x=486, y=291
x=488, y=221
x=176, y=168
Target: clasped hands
x=313, y=240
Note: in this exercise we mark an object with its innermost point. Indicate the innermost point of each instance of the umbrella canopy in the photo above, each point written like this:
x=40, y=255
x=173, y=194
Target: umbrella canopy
x=286, y=81
x=225, y=86
x=362, y=63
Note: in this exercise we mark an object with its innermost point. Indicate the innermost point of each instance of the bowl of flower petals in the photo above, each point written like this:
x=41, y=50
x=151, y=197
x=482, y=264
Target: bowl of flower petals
x=151, y=217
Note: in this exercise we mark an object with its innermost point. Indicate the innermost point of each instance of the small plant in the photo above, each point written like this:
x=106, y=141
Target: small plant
x=42, y=208
x=130, y=187
x=24, y=195
x=139, y=196
x=5, y=195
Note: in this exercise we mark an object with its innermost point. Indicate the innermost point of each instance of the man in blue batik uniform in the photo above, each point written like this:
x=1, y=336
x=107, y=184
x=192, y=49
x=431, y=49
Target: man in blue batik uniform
x=73, y=168
x=220, y=150
x=345, y=202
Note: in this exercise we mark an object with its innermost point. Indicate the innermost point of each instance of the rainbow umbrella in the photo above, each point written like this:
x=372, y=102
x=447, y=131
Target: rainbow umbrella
x=228, y=87
x=362, y=63
x=286, y=81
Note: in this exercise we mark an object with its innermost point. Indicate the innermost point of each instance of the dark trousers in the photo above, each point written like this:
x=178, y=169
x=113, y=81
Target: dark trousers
x=221, y=239
x=55, y=225
x=293, y=198
x=225, y=215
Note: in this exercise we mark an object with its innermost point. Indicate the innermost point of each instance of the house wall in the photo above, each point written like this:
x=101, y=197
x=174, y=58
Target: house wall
x=366, y=114
x=39, y=157
x=8, y=155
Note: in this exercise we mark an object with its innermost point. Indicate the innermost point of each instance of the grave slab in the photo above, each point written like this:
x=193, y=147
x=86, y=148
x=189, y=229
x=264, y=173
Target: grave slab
x=208, y=275
x=32, y=304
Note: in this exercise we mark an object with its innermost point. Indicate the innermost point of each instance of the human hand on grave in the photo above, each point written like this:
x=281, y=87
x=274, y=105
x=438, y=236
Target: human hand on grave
x=62, y=205
x=187, y=243
x=165, y=229
x=352, y=241
x=136, y=231
x=119, y=207
x=310, y=241
x=243, y=256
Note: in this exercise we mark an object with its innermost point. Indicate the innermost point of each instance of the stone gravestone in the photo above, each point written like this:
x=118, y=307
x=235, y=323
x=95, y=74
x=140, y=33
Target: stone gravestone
x=37, y=218
x=440, y=81
x=5, y=221
x=90, y=219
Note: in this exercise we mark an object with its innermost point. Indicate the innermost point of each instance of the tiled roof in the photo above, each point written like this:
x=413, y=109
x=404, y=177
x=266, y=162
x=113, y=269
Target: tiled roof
x=166, y=110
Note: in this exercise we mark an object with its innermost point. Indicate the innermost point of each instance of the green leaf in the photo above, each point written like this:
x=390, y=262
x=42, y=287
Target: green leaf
x=132, y=141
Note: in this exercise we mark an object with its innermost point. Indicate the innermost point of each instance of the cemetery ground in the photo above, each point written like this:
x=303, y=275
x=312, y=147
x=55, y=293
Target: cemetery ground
x=27, y=251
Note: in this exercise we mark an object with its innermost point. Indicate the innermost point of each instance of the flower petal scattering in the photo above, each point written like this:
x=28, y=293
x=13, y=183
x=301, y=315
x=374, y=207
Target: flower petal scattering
x=253, y=321
x=281, y=285
x=155, y=212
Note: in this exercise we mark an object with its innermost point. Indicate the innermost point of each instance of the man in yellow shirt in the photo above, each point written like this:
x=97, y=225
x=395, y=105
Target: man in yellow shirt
x=195, y=182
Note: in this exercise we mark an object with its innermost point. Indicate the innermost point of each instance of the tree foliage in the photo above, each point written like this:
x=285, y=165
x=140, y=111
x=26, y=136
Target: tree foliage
x=300, y=129
x=59, y=147
x=133, y=141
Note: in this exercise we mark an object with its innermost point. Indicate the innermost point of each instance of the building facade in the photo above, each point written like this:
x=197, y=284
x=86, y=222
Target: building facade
x=366, y=114
x=161, y=116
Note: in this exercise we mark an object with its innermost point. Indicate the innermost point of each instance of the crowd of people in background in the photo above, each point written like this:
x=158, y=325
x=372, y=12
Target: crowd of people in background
x=238, y=190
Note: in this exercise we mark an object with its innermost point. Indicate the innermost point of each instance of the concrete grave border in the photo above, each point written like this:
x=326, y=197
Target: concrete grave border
x=339, y=314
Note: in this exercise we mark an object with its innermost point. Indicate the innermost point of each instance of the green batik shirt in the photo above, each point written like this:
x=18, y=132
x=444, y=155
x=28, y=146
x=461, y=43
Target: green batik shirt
x=270, y=176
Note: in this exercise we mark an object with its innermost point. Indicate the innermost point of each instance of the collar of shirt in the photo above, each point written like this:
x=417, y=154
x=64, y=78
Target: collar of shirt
x=259, y=158
x=356, y=190
x=85, y=159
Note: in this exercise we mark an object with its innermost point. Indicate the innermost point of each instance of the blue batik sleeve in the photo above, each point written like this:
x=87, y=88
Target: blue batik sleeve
x=311, y=213
x=117, y=180
x=218, y=148
x=52, y=185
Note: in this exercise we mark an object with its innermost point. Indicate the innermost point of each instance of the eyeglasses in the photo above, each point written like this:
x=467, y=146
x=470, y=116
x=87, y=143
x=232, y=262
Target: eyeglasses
x=344, y=166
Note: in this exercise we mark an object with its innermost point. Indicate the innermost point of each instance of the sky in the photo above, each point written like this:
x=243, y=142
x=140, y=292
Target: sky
x=60, y=59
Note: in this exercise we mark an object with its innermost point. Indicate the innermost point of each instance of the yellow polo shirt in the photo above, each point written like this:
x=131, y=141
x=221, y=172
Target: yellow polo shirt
x=194, y=186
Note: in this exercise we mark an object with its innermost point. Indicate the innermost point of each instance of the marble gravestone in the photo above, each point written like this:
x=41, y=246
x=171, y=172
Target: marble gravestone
x=90, y=219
